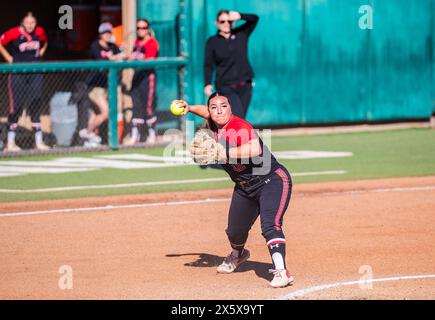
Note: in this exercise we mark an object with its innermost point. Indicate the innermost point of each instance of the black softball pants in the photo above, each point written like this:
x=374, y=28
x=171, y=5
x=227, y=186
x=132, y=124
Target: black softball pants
x=270, y=201
x=143, y=94
x=25, y=90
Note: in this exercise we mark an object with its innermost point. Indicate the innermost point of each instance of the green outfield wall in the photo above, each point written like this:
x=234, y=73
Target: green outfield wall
x=313, y=61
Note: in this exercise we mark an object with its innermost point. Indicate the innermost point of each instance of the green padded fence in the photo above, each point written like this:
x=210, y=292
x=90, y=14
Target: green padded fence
x=314, y=64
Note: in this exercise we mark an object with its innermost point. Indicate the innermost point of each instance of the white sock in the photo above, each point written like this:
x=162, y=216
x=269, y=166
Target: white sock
x=38, y=137
x=135, y=133
x=11, y=137
x=151, y=132
x=278, y=261
x=235, y=253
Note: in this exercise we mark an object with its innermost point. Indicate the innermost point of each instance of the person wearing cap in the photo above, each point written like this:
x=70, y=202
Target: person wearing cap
x=101, y=49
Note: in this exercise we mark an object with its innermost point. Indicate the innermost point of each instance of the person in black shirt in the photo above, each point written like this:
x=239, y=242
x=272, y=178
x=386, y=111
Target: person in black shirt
x=227, y=54
x=101, y=49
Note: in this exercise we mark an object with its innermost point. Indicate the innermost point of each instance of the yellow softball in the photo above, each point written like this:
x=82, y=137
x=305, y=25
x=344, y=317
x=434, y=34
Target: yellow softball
x=176, y=108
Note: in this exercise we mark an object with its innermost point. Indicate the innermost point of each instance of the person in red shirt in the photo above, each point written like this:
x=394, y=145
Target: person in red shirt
x=143, y=87
x=262, y=186
x=24, y=43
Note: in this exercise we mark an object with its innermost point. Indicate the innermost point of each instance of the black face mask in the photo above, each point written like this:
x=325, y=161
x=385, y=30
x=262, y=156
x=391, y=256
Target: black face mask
x=139, y=37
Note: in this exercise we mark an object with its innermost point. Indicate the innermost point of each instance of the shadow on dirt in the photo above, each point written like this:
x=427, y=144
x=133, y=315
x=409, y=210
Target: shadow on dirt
x=205, y=260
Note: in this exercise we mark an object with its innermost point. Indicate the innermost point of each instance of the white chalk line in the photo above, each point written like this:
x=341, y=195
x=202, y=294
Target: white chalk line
x=153, y=183
x=398, y=189
x=113, y=186
x=174, y=203
x=111, y=207
x=302, y=292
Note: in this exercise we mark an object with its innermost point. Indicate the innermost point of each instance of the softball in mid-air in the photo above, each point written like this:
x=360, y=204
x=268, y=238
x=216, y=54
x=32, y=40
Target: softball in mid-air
x=176, y=108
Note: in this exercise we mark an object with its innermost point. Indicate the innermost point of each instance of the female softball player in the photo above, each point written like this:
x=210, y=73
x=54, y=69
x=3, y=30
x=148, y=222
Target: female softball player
x=24, y=43
x=143, y=87
x=262, y=185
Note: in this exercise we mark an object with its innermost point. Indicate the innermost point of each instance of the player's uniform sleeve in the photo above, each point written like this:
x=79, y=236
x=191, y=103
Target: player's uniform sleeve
x=241, y=134
x=94, y=51
x=40, y=32
x=9, y=36
x=152, y=49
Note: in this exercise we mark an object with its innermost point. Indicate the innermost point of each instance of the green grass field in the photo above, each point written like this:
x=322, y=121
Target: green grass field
x=382, y=154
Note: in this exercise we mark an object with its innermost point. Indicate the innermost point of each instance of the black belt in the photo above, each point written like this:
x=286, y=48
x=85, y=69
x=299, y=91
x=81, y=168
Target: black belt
x=240, y=84
x=251, y=182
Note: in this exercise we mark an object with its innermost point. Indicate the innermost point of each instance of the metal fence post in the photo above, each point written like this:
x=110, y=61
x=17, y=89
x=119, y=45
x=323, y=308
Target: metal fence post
x=185, y=71
x=113, y=108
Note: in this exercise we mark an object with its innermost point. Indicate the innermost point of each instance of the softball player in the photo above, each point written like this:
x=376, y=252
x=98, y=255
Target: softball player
x=262, y=185
x=143, y=87
x=25, y=43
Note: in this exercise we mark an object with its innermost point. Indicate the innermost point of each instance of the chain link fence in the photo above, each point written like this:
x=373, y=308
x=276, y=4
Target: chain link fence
x=72, y=110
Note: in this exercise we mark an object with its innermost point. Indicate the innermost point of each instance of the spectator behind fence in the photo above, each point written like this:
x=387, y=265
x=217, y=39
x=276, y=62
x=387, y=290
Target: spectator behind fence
x=24, y=43
x=143, y=88
x=101, y=49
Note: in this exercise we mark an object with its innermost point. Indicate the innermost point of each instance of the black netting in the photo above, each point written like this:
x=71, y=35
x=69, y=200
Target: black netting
x=68, y=111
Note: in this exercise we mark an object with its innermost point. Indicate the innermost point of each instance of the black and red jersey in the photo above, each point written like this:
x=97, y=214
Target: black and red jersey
x=23, y=46
x=236, y=133
x=145, y=50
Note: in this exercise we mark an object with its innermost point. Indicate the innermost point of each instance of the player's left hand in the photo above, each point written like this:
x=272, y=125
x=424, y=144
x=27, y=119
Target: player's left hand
x=234, y=15
x=205, y=150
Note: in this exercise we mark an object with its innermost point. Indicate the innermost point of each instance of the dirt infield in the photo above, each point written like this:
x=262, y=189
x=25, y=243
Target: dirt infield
x=161, y=250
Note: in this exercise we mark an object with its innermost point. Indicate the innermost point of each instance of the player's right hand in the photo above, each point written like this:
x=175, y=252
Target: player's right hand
x=208, y=90
x=183, y=104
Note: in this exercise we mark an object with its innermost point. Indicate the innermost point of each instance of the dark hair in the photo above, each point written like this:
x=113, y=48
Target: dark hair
x=28, y=14
x=150, y=30
x=212, y=126
x=221, y=12
x=144, y=20
x=215, y=94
